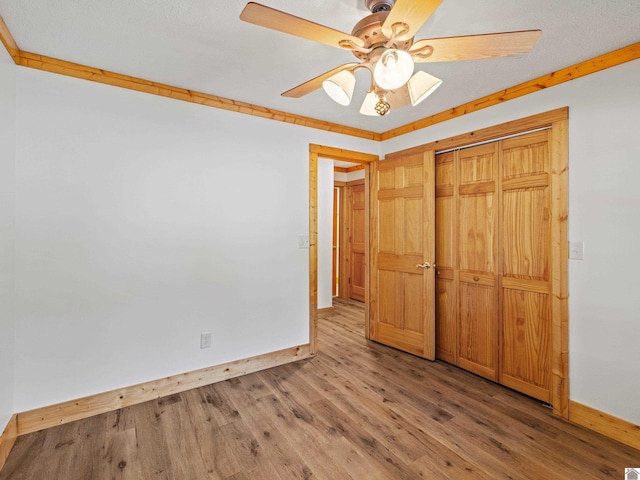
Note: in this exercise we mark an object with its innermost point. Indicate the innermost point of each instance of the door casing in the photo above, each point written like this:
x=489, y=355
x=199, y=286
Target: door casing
x=332, y=153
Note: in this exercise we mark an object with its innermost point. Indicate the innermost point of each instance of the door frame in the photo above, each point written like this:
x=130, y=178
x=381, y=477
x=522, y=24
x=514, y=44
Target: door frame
x=331, y=153
x=557, y=121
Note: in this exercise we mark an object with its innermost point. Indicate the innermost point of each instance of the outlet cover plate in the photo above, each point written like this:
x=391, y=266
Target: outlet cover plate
x=205, y=340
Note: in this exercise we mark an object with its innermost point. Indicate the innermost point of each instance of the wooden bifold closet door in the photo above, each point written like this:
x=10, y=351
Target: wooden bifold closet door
x=493, y=256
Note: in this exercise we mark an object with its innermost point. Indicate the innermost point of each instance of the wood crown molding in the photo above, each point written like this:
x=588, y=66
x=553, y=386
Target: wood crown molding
x=602, y=62
x=606, y=424
x=611, y=59
x=65, y=412
x=62, y=67
x=8, y=42
x=7, y=439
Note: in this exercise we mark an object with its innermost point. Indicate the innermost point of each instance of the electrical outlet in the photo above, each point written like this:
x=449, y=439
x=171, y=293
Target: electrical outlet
x=205, y=340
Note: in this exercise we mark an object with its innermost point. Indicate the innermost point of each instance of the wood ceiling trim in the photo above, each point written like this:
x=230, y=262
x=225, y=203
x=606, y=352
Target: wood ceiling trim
x=8, y=42
x=602, y=62
x=41, y=62
x=62, y=67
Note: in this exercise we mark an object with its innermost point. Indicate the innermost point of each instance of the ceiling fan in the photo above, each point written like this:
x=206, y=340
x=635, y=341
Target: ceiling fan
x=384, y=43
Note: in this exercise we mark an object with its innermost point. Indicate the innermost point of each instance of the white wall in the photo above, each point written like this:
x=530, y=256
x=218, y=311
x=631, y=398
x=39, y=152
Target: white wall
x=7, y=232
x=604, y=209
x=325, y=232
x=142, y=222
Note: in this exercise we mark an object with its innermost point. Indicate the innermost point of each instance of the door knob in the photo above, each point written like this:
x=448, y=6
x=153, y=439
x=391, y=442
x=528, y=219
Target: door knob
x=425, y=265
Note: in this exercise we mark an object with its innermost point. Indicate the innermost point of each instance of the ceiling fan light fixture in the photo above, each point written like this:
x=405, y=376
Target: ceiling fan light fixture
x=340, y=87
x=393, y=69
x=421, y=85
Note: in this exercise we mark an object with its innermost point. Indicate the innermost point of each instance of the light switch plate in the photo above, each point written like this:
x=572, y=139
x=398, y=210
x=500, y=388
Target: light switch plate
x=303, y=241
x=576, y=250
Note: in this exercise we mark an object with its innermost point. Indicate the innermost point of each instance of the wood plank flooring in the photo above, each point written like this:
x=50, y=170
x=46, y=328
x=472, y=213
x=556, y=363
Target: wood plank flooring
x=358, y=410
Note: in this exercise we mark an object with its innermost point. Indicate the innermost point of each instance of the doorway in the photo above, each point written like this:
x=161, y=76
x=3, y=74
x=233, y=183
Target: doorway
x=315, y=153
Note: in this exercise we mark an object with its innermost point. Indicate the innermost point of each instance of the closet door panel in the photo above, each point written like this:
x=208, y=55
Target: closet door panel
x=477, y=227
x=525, y=232
x=446, y=318
x=478, y=349
x=525, y=246
x=477, y=248
x=526, y=359
x=446, y=297
x=446, y=305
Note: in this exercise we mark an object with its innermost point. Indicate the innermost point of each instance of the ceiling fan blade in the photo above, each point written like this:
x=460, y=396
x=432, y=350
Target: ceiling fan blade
x=283, y=22
x=315, y=83
x=410, y=12
x=476, y=47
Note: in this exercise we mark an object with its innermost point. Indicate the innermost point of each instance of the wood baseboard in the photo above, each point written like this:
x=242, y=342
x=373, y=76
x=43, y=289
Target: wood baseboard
x=325, y=312
x=7, y=439
x=608, y=425
x=50, y=416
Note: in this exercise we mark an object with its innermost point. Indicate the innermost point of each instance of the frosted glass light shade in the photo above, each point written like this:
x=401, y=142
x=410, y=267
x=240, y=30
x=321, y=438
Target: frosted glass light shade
x=421, y=85
x=340, y=87
x=393, y=70
x=369, y=105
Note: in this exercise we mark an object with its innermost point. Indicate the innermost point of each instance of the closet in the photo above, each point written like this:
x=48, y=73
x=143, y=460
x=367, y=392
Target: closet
x=494, y=261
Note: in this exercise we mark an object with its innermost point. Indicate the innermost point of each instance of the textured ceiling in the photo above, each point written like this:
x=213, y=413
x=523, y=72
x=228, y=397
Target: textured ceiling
x=202, y=45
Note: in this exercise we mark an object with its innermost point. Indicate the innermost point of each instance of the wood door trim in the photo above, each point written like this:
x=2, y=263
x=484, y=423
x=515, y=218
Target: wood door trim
x=343, y=240
x=521, y=125
x=559, y=143
x=322, y=151
x=8, y=439
x=557, y=120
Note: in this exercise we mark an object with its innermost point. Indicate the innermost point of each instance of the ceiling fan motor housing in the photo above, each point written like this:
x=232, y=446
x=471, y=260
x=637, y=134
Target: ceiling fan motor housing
x=369, y=30
x=375, y=6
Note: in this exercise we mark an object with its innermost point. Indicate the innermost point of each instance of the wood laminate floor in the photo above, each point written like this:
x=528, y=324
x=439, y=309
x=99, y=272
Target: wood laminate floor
x=358, y=410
